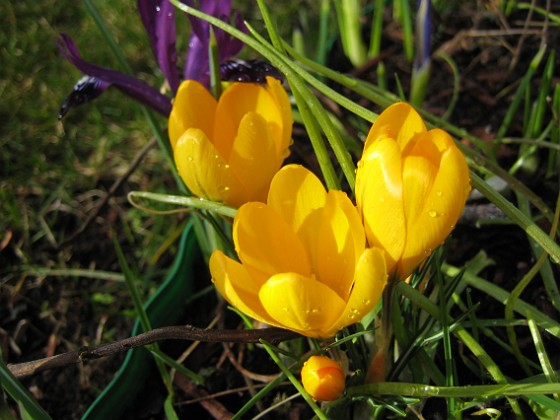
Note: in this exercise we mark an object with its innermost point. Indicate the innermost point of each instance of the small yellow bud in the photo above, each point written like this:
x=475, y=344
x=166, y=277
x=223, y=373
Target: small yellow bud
x=323, y=378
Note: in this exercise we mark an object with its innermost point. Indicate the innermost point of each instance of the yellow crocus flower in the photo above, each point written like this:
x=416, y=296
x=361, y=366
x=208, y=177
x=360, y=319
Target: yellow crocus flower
x=229, y=150
x=303, y=261
x=323, y=378
x=411, y=187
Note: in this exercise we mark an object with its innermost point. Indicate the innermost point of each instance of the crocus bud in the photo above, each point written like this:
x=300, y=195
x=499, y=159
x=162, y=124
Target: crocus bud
x=323, y=378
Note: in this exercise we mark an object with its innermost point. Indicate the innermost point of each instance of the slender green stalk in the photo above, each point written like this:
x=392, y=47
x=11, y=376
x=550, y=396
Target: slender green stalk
x=214, y=64
x=348, y=16
x=408, y=33
x=376, y=29
x=535, y=62
x=518, y=217
x=544, y=360
x=501, y=295
x=404, y=389
x=324, y=15
x=179, y=200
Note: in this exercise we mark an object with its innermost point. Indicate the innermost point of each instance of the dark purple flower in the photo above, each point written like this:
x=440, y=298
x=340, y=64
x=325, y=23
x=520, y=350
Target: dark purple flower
x=86, y=89
x=132, y=87
x=158, y=18
x=197, y=62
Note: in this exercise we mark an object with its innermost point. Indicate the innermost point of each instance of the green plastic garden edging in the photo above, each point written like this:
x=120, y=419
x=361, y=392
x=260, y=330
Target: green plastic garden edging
x=162, y=309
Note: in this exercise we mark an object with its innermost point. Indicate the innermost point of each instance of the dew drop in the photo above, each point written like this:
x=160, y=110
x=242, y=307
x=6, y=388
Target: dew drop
x=316, y=310
x=366, y=302
x=190, y=159
x=226, y=166
x=433, y=213
x=428, y=252
x=285, y=309
x=439, y=193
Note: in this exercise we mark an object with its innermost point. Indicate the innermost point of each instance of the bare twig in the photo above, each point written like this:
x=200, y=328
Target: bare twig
x=181, y=332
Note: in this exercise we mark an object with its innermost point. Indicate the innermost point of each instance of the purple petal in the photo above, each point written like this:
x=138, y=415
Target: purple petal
x=86, y=89
x=197, y=62
x=423, y=33
x=132, y=87
x=159, y=20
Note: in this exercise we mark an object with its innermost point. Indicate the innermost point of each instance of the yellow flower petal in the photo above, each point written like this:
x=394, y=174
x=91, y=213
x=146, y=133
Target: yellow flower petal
x=194, y=107
x=253, y=158
x=295, y=193
x=441, y=207
x=379, y=198
x=237, y=287
x=274, y=86
x=340, y=240
x=203, y=170
x=369, y=281
x=399, y=121
x=237, y=101
x=266, y=242
x=301, y=304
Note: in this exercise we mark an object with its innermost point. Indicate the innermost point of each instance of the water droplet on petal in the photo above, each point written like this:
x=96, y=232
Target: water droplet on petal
x=433, y=213
x=285, y=309
x=439, y=193
x=366, y=302
x=428, y=252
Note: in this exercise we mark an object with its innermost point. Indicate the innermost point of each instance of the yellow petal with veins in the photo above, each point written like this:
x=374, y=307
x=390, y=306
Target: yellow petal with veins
x=265, y=241
x=301, y=304
x=203, y=170
x=369, y=281
x=379, y=198
x=399, y=121
x=253, y=158
x=194, y=107
x=340, y=240
x=238, y=287
x=295, y=193
x=234, y=103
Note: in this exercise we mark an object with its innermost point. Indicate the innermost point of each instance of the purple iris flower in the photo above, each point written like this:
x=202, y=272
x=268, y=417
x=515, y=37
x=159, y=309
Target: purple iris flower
x=158, y=17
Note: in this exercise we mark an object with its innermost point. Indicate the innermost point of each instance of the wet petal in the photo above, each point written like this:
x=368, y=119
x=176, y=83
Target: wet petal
x=237, y=287
x=265, y=241
x=442, y=205
x=379, y=197
x=340, y=240
x=301, y=304
x=194, y=107
x=274, y=86
x=235, y=102
x=253, y=157
x=369, y=281
x=399, y=121
x=295, y=193
x=203, y=170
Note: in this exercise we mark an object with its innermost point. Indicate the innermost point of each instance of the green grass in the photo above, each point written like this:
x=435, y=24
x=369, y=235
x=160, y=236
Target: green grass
x=53, y=173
